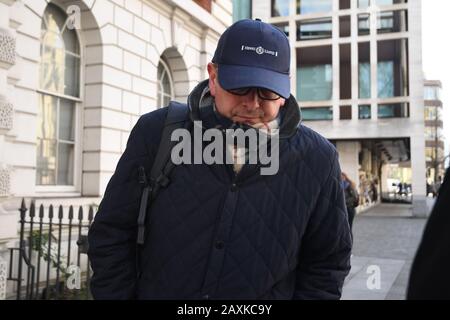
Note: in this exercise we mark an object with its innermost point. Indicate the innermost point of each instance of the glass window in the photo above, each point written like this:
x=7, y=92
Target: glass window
x=393, y=68
x=165, y=85
x=396, y=110
x=314, y=29
x=388, y=2
x=314, y=6
x=364, y=70
x=315, y=114
x=363, y=24
x=392, y=21
x=432, y=93
x=59, y=83
x=364, y=112
x=284, y=27
x=430, y=133
x=314, y=82
x=385, y=79
x=430, y=113
x=430, y=154
x=280, y=8
x=363, y=4
x=314, y=73
x=60, y=54
x=242, y=9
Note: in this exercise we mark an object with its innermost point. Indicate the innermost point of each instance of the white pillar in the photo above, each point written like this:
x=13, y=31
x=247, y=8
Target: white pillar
x=418, y=164
x=348, y=158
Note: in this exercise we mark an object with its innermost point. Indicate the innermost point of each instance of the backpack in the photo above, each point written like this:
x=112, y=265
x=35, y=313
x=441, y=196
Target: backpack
x=351, y=197
x=177, y=118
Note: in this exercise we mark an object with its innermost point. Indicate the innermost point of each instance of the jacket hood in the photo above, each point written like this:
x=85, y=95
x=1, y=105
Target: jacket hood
x=201, y=106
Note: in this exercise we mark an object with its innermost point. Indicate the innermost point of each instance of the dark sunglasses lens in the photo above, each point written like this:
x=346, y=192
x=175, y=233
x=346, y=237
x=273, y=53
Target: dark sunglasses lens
x=240, y=91
x=268, y=95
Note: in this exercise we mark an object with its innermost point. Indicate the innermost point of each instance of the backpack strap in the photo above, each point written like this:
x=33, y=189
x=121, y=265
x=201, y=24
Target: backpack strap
x=177, y=118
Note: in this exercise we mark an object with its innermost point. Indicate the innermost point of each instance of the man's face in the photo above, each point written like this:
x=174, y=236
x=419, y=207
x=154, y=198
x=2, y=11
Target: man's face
x=249, y=109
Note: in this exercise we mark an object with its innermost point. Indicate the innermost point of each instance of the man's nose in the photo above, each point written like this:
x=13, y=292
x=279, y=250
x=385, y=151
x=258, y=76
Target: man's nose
x=252, y=100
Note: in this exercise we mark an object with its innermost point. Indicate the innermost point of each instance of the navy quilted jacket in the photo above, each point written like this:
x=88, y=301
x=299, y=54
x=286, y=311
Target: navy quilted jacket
x=213, y=235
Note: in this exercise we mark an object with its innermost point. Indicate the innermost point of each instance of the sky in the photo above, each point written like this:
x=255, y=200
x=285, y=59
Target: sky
x=436, y=51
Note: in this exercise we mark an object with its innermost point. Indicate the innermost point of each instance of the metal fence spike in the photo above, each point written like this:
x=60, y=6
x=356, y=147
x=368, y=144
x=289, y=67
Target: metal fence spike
x=50, y=212
x=80, y=213
x=60, y=212
x=70, y=212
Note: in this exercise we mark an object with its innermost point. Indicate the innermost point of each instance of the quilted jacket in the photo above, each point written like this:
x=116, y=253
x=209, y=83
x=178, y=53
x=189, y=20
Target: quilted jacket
x=212, y=234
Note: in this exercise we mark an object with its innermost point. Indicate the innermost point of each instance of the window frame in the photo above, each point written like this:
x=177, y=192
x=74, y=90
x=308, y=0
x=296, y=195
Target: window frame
x=160, y=87
x=76, y=187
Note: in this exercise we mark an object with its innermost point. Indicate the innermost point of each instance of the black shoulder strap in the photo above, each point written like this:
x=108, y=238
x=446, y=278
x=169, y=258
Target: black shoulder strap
x=177, y=118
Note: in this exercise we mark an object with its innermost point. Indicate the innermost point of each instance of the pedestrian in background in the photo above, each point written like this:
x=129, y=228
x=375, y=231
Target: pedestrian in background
x=429, y=277
x=351, y=197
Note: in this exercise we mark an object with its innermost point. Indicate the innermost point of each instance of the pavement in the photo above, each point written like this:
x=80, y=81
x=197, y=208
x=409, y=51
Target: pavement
x=386, y=238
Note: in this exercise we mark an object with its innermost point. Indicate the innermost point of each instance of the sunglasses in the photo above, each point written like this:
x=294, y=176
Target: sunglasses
x=263, y=94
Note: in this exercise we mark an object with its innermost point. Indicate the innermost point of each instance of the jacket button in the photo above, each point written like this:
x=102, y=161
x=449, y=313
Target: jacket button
x=234, y=187
x=219, y=245
x=206, y=296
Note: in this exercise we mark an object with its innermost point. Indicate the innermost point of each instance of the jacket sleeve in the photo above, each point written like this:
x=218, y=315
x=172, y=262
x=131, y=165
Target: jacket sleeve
x=324, y=259
x=112, y=235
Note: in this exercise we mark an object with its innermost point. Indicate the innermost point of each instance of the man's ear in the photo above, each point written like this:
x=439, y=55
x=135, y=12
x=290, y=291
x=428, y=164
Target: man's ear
x=212, y=79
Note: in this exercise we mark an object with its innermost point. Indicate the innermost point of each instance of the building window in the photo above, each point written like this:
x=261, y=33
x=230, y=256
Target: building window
x=314, y=6
x=430, y=113
x=432, y=93
x=280, y=8
x=165, y=85
x=314, y=29
x=363, y=24
x=242, y=9
x=314, y=73
x=59, y=92
x=364, y=112
x=395, y=110
x=283, y=27
x=364, y=70
x=388, y=2
x=393, y=68
x=392, y=21
x=363, y=4
x=317, y=114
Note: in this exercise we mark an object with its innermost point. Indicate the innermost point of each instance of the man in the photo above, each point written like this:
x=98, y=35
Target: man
x=429, y=273
x=225, y=231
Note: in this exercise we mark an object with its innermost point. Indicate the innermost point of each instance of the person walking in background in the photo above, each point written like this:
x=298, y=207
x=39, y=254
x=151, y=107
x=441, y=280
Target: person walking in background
x=351, y=197
x=429, y=273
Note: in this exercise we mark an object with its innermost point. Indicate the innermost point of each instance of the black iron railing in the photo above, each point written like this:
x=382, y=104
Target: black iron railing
x=48, y=264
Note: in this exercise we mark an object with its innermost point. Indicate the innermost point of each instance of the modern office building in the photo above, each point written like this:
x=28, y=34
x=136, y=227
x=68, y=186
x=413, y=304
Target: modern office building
x=357, y=73
x=434, y=136
x=74, y=78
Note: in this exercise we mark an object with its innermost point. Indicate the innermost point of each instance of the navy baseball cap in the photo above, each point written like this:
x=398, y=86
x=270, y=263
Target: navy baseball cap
x=252, y=53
